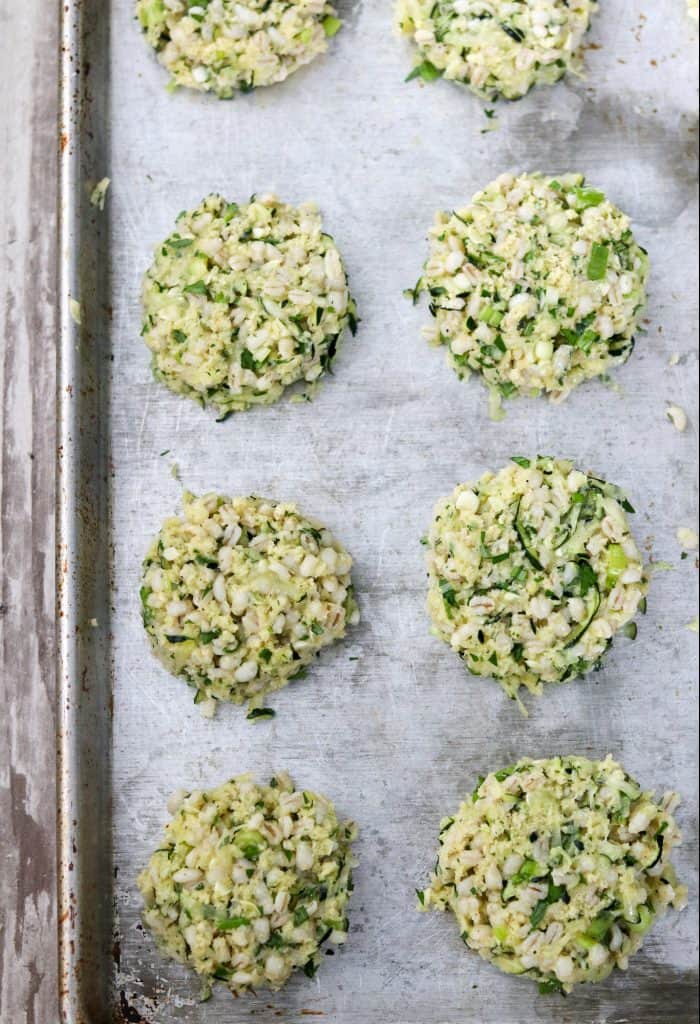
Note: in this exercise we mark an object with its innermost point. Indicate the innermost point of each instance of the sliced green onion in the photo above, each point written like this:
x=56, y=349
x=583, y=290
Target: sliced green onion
x=598, y=263
x=331, y=25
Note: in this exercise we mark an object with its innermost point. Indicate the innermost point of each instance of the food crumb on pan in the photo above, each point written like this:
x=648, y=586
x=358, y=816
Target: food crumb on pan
x=677, y=417
x=687, y=538
x=99, y=193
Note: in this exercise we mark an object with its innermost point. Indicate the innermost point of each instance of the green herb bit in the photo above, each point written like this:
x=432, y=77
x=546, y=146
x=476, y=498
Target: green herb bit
x=146, y=610
x=586, y=197
x=491, y=316
x=196, y=288
x=448, y=592
x=301, y=915
x=229, y=923
x=515, y=33
x=414, y=293
x=617, y=562
x=599, y=928
x=598, y=262
x=257, y=714
x=179, y=243
x=550, y=985
x=554, y=894
x=331, y=25
x=427, y=71
x=527, y=871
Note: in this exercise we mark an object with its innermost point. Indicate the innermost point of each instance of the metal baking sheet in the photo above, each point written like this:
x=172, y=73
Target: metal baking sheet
x=387, y=724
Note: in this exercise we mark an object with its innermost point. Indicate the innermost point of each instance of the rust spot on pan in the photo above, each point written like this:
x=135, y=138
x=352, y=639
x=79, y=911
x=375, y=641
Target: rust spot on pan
x=126, y=1013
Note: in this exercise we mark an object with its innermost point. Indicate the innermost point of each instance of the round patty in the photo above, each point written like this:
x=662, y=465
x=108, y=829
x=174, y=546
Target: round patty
x=227, y=46
x=532, y=572
x=537, y=284
x=496, y=47
x=556, y=869
x=249, y=882
x=239, y=594
x=241, y=302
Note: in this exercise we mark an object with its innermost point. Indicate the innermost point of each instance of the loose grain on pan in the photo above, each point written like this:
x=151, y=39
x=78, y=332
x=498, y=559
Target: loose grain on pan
x=249, y=882
x=239, y=594
x=229, y=46
x=498, y=48
x=556, y=869
x=241, y=302
x=533, y=571
x=538, y=284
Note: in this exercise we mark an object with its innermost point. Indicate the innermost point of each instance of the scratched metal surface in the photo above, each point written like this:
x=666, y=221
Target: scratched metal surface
x=387, y=724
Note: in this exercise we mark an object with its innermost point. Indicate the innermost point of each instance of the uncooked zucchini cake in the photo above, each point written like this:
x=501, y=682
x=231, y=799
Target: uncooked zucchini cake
x=556, y=869
x=238, y=595
x=533, y=570
x=538, y=284
x=249, y=882
x=241, y=302
x=496, y=47
x=229, y=46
